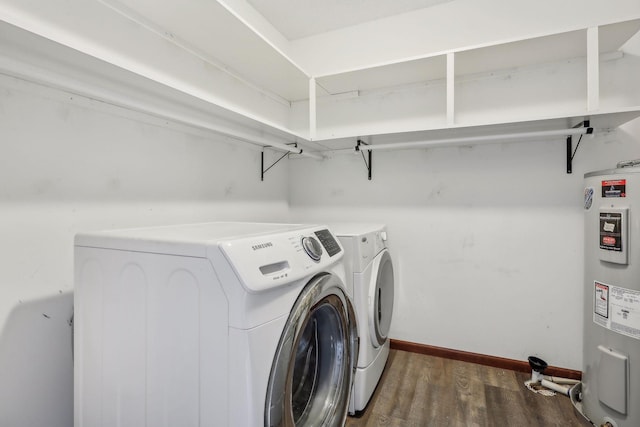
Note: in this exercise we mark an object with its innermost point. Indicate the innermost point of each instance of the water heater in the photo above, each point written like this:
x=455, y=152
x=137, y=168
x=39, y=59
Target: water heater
x=611, y=376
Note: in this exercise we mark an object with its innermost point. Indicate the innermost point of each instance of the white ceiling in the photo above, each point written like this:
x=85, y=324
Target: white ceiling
x=296, y=19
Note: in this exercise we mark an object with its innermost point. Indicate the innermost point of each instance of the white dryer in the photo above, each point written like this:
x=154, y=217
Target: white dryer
x=216, y=324
x=370, y=276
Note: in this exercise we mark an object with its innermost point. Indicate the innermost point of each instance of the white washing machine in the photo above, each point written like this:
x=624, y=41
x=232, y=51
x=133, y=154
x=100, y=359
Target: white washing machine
x=369, y=272
x=216, y=324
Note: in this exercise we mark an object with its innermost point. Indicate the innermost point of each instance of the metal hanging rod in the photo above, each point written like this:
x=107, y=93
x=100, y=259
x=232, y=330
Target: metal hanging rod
x=477, y=139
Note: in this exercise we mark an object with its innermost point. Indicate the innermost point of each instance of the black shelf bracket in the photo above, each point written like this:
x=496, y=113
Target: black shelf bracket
x=263, y=171
x=571, y=152
x=367, y=164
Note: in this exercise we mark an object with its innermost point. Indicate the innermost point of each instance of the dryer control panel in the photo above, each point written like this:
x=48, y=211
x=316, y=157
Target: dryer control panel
x=329, y=242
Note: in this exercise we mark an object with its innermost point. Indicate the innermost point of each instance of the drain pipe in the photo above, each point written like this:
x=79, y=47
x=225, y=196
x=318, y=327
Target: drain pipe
x=559, y=380
x=565, y=386
x=559, y=385
x=555, y=387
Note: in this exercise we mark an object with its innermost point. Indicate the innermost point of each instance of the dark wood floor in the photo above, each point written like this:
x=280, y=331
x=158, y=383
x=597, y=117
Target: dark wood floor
x=424, y=391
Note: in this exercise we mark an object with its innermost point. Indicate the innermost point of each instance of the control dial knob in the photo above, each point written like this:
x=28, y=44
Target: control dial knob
x=312, y=247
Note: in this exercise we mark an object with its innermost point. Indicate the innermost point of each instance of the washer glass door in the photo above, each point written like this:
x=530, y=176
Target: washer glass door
x=312, y=373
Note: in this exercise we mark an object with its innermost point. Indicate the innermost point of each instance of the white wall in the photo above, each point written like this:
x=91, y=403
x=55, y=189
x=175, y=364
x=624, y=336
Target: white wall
x=70, y=164
x=486, y=240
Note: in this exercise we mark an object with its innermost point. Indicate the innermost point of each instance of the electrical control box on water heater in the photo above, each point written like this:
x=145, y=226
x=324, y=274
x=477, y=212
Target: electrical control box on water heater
x=610, y=392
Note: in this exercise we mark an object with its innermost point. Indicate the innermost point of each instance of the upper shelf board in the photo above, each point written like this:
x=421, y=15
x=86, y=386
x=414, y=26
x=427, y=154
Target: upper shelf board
x=542, y=50
x=522, y=53
x=386, y=76
x=209, y=30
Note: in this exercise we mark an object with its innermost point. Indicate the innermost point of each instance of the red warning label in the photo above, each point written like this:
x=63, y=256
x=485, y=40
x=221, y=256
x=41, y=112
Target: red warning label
x=614, y=188
x=601, y=299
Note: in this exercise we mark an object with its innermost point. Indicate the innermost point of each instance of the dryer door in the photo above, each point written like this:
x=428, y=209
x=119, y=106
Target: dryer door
x=312, y=373
x=381, y=294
